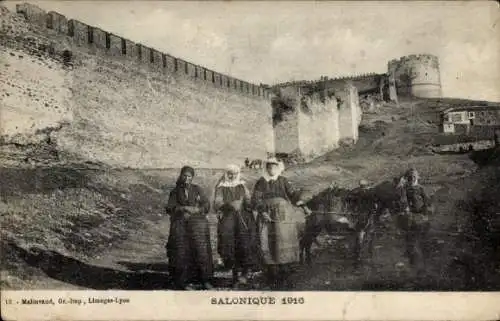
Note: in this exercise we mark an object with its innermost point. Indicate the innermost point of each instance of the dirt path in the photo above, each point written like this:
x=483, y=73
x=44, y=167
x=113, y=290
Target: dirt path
x=139, y=263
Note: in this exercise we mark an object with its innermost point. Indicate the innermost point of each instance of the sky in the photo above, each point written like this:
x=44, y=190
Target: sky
x=277, y=41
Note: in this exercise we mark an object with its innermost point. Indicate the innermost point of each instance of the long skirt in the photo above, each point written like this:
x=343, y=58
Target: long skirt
x=189, y=250
x=280, y=238
x=237, y=239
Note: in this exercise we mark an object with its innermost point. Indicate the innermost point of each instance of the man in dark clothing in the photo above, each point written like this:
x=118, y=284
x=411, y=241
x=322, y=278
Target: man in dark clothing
x=415, y=208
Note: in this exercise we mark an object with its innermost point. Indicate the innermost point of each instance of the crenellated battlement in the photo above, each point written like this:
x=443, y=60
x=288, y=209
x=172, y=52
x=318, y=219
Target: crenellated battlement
x=416, y=75
x=411, y=75
x=132, y=90
x=115, y=45
x=412, y=60
x=299, y=83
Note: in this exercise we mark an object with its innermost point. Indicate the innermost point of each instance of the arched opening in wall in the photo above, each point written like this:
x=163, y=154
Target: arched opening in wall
x=228, y=84
x=280, y=107
x=124, y=47
x=67, y=57
x=221, y=81
x=164, y=60
x=195, y=71
x=139, y=51
x=51, y=49
x=186, y=70
x=151, y=56
x=213, y=77
x=90, y=34
x=204, y=74
x=108, y=41
x=71, y=28
x=50, y=21
x=21, y=11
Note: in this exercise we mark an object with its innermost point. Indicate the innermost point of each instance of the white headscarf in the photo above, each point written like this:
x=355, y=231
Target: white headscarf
x=405, y=178
x=235, y=181
x=281, y=168
x=413, y=172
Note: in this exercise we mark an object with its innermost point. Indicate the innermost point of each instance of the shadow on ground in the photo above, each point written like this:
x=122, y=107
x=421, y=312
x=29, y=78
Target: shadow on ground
x=137, y=267
x=154, y=276
x=144, y=276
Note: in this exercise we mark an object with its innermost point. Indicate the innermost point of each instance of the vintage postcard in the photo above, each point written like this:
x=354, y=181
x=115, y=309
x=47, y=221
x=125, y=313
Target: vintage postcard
x=250, y=160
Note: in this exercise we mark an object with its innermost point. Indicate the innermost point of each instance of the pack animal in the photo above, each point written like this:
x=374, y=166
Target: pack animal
x=337, y=210
x=256, y=164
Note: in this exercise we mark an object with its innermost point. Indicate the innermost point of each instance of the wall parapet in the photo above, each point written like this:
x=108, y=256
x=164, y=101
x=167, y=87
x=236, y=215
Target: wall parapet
x=89, y=36
x=416, y=75
x=323, y=79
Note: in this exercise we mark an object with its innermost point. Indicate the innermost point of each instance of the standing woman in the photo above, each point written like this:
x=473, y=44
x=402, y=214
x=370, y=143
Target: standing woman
x=237, y=228
x=278, y=221
x=189, y=249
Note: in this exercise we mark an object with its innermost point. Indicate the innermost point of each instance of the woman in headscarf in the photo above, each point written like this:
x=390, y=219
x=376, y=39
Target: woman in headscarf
x=189, y=248
x=237, y=227
x=278, y=222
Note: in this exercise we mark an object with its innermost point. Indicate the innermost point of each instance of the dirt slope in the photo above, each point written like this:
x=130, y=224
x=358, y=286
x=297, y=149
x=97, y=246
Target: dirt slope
x=62, y=214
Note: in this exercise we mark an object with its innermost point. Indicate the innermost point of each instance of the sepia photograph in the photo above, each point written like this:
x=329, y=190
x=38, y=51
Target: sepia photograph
x=258, y=147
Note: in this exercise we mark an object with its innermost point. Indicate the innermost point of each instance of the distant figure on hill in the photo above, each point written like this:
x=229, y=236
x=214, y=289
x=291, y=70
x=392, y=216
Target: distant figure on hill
x=189, y=248
x=256, y=164
x=247, y=162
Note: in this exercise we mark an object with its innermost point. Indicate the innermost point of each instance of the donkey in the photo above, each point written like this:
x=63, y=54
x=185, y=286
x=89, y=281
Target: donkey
x=341, y=210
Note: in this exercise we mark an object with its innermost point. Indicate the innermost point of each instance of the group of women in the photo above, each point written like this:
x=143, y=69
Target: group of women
x=256, y=231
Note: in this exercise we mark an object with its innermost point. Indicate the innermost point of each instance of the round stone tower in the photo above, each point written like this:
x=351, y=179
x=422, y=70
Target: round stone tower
x=416, y=75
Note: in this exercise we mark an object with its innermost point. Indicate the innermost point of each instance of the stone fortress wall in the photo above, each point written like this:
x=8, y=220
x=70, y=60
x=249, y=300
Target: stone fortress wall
x=409, y=76
x=122, y=103
x=85, y=35
x=309, y=125
x=165, y=111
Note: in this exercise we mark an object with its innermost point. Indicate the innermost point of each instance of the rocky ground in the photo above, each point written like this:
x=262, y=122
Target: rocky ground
x=70, y=224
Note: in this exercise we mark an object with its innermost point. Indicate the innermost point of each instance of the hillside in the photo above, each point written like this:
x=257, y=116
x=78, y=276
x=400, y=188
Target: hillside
x=108, y=220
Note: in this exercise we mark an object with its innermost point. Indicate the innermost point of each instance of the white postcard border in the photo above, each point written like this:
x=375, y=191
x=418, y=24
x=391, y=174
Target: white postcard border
x=215, y=305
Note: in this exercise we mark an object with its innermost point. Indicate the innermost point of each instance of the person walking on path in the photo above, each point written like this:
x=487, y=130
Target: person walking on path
x=189, y=248
x=279, y=222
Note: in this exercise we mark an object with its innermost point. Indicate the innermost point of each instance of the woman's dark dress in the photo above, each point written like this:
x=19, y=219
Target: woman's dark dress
x=237, y=230
x=189, y=250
